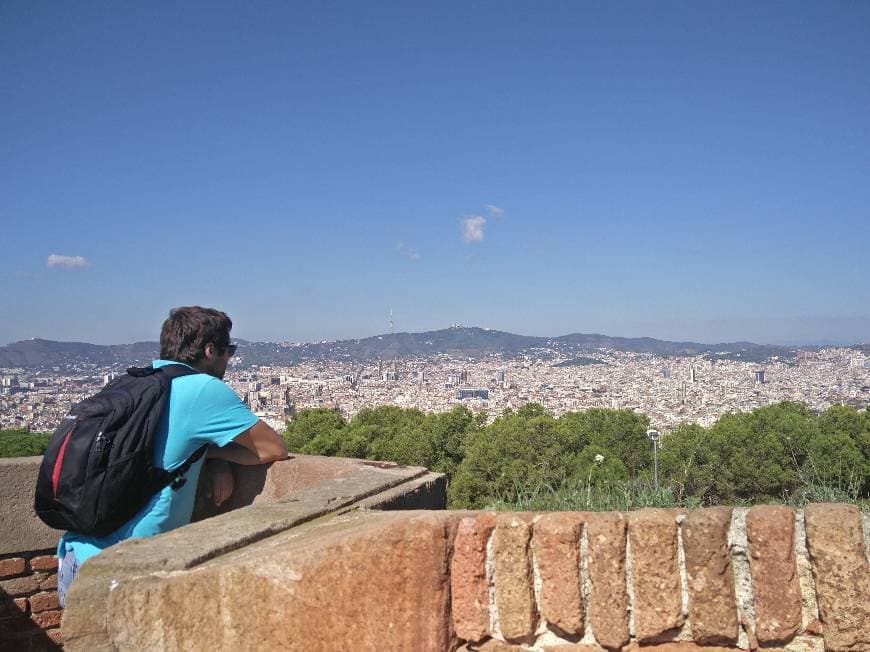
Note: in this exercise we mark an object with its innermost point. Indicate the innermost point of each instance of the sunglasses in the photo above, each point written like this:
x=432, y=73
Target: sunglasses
x=231, y=348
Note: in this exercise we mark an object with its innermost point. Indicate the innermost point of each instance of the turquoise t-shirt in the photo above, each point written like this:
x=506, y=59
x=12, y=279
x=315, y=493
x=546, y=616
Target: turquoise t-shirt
x=201, y=410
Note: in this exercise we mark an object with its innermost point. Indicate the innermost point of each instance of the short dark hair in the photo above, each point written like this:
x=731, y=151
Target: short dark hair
x=187, y=330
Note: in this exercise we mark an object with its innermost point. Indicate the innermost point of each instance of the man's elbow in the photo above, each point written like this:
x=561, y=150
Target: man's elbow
x=274, y=452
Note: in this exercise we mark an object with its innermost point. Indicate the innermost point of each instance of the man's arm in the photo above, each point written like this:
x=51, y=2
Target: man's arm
x=259, y=444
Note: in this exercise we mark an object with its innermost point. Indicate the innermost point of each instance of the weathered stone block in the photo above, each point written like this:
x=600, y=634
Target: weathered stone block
x=358, y=582
x=557, y=550
x=608, y=608
x=655, y=572
x=514, y=593
x=835, y=542
x=712, y=602
x=468, y=581
x=775, y=584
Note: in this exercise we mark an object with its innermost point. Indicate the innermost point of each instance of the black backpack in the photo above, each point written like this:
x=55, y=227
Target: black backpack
x=98, y=470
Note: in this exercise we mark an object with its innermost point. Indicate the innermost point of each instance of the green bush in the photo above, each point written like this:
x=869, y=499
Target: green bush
x=20, y=443
x=602, y=458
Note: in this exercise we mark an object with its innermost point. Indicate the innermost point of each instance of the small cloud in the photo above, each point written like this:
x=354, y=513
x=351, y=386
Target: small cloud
x=408, y=252
x=494, y=211
x=67, y=262
x=472, y=228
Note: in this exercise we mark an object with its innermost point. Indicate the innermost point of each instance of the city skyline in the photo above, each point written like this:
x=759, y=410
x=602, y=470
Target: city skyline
x=688, y=173
x=501, y=332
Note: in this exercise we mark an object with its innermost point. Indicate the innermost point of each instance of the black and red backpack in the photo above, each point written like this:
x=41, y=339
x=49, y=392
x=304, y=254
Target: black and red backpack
x=98, y=470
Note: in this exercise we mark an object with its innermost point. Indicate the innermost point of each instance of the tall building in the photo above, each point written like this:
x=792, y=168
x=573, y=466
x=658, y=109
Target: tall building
x=759, y=377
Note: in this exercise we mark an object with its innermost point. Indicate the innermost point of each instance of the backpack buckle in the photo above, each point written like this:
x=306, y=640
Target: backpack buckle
x=178, y=483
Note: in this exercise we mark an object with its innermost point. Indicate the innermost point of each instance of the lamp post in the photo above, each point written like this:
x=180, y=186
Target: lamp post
x=654, y=438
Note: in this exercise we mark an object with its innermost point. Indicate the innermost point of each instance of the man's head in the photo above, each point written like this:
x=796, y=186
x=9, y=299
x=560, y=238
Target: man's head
x=198, y=336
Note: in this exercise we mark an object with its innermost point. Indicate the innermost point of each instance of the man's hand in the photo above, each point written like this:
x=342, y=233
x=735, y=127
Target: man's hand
x=220, y=480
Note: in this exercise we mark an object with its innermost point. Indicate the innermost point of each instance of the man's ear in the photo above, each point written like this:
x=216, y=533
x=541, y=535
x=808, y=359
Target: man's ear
x=209, y=351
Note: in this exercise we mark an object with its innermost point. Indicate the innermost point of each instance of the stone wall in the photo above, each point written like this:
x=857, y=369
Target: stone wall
x=29, y=613
x=268, y=577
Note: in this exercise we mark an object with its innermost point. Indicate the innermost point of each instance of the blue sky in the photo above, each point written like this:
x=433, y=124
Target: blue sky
x=678, y=170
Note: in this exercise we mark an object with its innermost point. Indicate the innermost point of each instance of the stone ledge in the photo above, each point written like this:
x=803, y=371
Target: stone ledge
x=401, y=599
x=341, y=478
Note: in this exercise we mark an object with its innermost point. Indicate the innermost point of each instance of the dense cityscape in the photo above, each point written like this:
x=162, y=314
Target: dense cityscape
x=670, y=390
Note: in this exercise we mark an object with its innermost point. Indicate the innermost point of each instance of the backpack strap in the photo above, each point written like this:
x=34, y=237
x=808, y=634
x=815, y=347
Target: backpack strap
x=175, y=478
x=171, y=371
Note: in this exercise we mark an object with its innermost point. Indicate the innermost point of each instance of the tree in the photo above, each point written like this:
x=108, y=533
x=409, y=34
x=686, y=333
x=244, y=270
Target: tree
x=21, y=443
x=310, y=425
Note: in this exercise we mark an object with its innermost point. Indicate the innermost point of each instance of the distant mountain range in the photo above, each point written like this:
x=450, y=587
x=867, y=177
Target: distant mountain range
x=460, y=341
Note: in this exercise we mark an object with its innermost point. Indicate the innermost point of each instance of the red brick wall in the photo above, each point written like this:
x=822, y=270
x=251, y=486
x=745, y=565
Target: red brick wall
x=663, y=579
x=29, y=610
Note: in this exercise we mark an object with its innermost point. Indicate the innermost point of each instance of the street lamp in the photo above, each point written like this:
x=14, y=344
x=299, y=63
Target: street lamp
x=654, y=438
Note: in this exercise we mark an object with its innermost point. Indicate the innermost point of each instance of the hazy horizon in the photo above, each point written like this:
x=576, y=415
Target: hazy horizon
x=237, y=336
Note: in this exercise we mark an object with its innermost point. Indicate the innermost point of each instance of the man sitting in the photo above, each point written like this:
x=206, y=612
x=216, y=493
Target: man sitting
x=201, y=409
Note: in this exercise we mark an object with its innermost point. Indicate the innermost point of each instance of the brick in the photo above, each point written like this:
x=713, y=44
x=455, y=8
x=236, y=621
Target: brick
x=468, y=581
x=679, y=646
x=48, y=583
x=490, y=645
x=47, y=619
x=44, y=563
x=514, y=594
x=772, y=565
x=55, y=635
x=655, y=564
x=835, y=542
x=44, y=602
x=608, y=606
x=20, y=585
x=712, y=602
x=557, y=551
x=11, y=567
x=13, y=607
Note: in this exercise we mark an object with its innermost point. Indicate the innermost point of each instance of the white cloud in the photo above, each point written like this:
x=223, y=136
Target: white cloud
x=408, y=252
x=472, y=228
x=494, y=211
x=67, y=262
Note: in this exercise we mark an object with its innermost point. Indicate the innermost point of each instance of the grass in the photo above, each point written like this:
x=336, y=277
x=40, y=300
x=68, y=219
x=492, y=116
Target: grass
x=627, y=496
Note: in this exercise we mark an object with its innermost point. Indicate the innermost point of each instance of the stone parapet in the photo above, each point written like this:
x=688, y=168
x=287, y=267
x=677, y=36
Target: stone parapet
x=266, y=577
x=266, y=501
